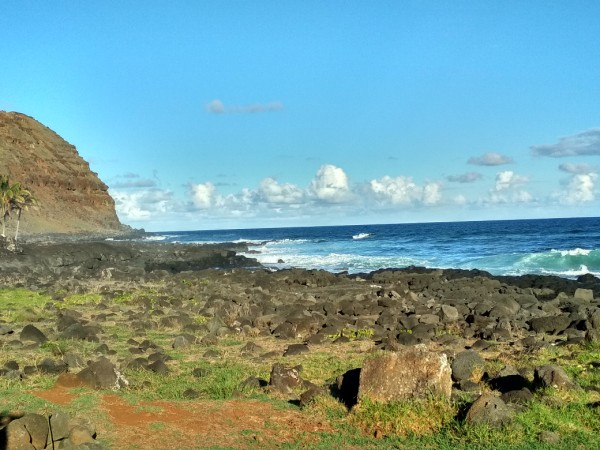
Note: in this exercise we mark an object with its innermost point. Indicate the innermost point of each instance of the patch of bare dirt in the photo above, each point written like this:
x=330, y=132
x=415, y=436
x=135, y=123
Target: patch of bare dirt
x=236, y=424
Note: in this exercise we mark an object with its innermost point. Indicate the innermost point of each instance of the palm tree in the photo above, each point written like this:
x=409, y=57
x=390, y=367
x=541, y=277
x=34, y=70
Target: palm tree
x=6, y=194
x=21, y=200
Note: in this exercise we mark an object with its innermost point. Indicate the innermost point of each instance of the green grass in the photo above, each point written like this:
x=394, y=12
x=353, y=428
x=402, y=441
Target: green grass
x=21, y=305
x=428, y=424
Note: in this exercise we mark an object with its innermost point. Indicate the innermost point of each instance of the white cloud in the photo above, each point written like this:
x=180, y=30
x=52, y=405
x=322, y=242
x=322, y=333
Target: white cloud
x=490, y=159
x=144, y=204
x=431, y=194
x=508, y=179
x=218, y=107
x=468, y=177
x=203, y=195
x=507, y=189
x=400, y=190
x=585, y=143
x=577, y=168
x=403, y=191
x=330, y=185
x=273, y=192
x=460, y=200
x=517, y=196
x=522, y=197
x=580, y=189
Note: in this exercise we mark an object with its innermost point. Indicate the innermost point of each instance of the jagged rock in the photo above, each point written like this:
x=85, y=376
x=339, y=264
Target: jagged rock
x=467, y=365
x=181, y=342
x=80, y=435
x=16, y=437
x=159, y=367
x=59, y=423
x=50, y=366
x=552, y=376
x=550, y=324
x=190, y=394
x=412, y=372
x=251, y=348
x=81, y=332
x=102, y=374
x=586, y=295
x=11, y=365
x=592, y=336
x=490, y=410
x=6, y=329
x=32, y=333
x=30, y=431
x=296, y=349
x=284, y=379
x=521, y=396
x=309, y=396
x=449, y=313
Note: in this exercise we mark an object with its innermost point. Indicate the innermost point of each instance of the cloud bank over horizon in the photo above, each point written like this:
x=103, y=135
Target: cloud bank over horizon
x=331, y=192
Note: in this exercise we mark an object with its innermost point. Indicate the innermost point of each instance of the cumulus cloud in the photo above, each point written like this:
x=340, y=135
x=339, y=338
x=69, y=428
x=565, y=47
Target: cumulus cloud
x=403, y=190
x=577, y=168
x=508, y=179
x=468, y=177
x=516, y=196
x=143, y=204
x=490, y=159
x=330, y=185
x=580, y=189
x=508, y=189
x=585, y=143
x=218, y=107
x=273, y=192
x=431, y=194
x=398, y=190
x=459, y=200
x=203, y=195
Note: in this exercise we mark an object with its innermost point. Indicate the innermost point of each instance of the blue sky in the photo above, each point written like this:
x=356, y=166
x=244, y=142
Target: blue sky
x=237, y=114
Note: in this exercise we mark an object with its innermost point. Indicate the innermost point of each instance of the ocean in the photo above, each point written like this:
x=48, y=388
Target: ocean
x=563, y=247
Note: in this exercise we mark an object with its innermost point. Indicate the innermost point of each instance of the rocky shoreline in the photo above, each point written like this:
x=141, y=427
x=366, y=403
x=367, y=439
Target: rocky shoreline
x=456, y=313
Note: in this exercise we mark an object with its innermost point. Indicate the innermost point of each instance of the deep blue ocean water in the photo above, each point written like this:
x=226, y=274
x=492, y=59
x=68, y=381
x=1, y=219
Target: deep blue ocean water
x=565, y=247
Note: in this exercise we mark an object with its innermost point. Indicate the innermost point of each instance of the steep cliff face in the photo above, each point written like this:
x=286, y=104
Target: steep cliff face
x=73, y=199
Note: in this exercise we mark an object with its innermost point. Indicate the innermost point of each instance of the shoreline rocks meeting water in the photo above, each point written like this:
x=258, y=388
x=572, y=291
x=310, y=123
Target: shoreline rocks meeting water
x=457, y=314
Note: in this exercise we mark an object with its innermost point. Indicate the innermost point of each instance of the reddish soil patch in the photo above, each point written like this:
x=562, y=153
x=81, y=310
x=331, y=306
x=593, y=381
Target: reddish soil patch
x=237, y=424
x=58, y=394
x=197, y=424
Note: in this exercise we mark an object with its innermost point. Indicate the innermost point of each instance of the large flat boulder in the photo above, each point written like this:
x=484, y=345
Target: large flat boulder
x=410, y=373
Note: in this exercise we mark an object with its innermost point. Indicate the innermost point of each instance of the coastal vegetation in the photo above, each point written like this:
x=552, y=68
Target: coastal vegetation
x=213, y=366
x=14, y=199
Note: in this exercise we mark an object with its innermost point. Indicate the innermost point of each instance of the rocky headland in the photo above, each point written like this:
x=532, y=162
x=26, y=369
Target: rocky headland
x=72, y=197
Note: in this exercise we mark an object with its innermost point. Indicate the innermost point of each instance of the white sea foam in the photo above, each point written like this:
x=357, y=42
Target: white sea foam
x=574, y=252
x=334, y=261
x=156, y=238
x=571, y=273
x=361, y=236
